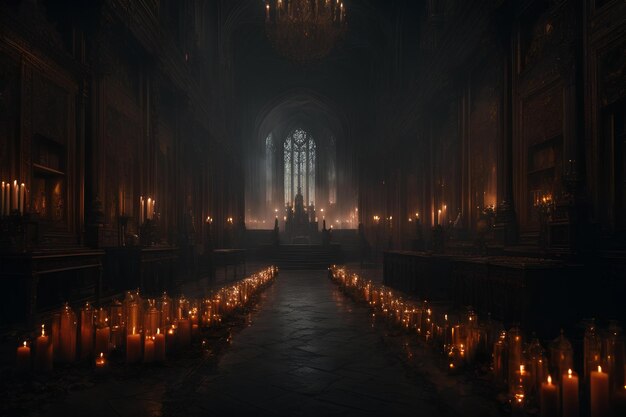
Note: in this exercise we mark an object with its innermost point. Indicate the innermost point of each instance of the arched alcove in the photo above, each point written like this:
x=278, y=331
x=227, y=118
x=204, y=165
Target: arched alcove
x=272, y=173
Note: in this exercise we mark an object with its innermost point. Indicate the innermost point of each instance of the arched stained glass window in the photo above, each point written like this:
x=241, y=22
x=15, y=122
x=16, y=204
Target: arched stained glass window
x=299, y=154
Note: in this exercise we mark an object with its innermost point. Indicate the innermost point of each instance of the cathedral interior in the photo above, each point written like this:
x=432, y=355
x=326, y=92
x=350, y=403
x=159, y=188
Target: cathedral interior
x=313, y=208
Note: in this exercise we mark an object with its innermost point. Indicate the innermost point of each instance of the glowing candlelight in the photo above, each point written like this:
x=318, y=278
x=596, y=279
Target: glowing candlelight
x=23, y=357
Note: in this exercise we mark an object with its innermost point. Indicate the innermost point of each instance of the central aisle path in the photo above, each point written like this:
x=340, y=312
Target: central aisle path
x=308, y=351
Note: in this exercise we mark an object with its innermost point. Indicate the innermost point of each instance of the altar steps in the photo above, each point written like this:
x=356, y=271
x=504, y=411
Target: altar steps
x=294, y=257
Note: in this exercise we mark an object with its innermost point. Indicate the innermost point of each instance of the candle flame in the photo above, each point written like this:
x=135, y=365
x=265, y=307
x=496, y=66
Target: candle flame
x=599, y=369
x=158, y=330
x=133, y=329
x=549, y=380
x=101, y=355
x=43, y=330
x=569, y=373
x=24, y=343
x=521, y=369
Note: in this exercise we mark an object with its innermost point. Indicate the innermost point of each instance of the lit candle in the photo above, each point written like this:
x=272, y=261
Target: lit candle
x=101, y=362
x=23, y=357
x=148, y=350
x=43, y=352
x=171, y=339
x=149, y=214
x=133, y=347
x=599, y=393
x=14, y=198
x=22, y=198
x=2, y=196
x=571, y=407
x=7, y=199
x=267, y=12
x=159, y=346
x=549, y=399
x=141, y=210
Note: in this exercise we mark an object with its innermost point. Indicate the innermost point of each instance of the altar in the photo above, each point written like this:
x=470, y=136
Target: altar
x=301, y=225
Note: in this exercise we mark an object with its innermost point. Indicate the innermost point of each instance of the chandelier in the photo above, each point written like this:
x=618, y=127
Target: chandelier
x=304, y=30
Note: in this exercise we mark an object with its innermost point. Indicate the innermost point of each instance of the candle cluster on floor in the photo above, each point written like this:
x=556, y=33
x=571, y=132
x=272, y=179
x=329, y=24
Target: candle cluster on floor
x=140, y=330
x=532, y=378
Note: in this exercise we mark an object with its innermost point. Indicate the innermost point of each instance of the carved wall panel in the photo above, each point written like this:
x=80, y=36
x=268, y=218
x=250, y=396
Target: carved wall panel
x=541, y=155
x=484, y=135
x=446, y=193
x=121, y=156
x=612, y=71
x=50, y=109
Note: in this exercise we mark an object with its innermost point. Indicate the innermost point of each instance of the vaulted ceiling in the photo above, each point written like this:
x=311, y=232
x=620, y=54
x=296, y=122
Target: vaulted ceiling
x=340, y=89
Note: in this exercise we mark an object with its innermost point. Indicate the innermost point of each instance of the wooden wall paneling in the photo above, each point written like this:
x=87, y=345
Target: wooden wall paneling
x=10, y=114
x=605, y=43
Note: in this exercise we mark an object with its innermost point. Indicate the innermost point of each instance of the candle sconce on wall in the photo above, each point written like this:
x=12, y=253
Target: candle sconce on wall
x=17, y=231
x=147, y=221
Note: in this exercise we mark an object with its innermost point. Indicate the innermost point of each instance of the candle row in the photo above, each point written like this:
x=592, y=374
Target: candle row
x=12, y=198
x=531, y=376
x=333, y=10
x=146, y=209
x=142, y=329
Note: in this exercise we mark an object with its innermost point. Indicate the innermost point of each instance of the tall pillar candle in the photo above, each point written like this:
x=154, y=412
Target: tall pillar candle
x=133, y=347
x=2, y=196
x=599, y=383
x=22, y=198
x=141, y=210
x=549, y=399
x=184, y=332
x=571, y=404
x=14, y=196
x=86, y=331
x=159, y=346
x=67, y=335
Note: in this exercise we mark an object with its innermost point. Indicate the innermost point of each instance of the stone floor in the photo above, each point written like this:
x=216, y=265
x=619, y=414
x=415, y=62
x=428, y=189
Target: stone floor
x=307, y=350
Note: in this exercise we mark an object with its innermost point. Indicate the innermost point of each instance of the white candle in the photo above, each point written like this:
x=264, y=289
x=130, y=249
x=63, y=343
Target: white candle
x=22, y=198
x=7, y=199
x=14, y=197
x=599, y=393
x=571, y=406
x=2, y=195
x=141, y=210
x=149, y=214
